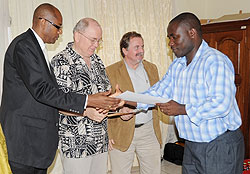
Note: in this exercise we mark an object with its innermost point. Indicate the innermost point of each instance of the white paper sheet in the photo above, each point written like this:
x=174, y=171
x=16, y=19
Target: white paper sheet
x=141, y=98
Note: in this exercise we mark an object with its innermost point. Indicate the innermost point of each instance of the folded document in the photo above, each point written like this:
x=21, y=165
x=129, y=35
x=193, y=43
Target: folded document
x=141, y=98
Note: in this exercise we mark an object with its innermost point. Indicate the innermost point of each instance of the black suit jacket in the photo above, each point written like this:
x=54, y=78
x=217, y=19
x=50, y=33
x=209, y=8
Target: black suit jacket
x=30, y=103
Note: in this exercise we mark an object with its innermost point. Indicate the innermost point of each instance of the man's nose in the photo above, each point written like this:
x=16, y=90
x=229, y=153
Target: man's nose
x=171, y=42
x=60, y=31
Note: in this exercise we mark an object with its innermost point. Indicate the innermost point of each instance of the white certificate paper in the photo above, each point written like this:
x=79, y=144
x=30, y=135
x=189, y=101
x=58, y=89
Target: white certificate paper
x=141, y=98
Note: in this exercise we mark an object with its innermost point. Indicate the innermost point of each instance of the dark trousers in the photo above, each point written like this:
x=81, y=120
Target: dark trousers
x=223, y=155
x=17, y=168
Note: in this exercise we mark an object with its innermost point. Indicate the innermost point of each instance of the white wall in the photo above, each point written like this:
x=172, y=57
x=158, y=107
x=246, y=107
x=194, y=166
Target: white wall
x=4, y=35
x=209, y=9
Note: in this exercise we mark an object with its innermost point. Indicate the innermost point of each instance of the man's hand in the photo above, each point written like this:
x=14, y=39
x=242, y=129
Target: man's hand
x=126, y=110
x=102, y=101
x=111, y=142
x=118, y=92
x=94, y=114
x=172, y=108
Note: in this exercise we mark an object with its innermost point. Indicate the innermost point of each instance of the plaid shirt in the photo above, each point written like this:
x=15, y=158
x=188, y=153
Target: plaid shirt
x=206, y=87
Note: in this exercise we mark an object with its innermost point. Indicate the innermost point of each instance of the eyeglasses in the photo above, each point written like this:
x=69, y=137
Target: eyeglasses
x=57, y=26
x=92, y=40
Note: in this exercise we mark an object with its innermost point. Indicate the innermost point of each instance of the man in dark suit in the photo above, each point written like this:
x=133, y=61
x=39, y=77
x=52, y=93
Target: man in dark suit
x=31, y=98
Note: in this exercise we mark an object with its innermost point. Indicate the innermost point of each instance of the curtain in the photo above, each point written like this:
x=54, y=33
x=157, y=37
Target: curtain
x=4, y=34
x=148, y=17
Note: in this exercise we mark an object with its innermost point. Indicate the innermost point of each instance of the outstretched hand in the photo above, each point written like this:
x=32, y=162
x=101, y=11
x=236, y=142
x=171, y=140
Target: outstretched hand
x=103, y=101
x=118, y=92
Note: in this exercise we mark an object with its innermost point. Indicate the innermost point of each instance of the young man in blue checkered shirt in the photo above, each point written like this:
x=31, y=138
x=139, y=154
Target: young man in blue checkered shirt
x=200, y=84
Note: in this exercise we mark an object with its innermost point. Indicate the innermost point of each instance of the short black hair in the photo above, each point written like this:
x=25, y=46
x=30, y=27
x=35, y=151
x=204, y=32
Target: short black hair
x=190, y=20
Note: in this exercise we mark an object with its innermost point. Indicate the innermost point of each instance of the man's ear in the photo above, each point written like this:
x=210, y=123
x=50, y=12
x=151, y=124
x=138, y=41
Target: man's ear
x=192, y=32
x=77, y=36
x=124, y=50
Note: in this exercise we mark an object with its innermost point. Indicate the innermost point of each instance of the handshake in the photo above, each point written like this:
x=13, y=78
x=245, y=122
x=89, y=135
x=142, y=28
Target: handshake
x=105, y=101
x=99, y=105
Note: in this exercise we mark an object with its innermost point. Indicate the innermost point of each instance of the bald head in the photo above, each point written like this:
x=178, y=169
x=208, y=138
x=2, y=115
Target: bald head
x=85, y=23
x=46, y=11
x=47, y=22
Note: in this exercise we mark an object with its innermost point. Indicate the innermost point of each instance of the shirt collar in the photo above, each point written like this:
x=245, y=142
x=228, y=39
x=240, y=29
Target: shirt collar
x=128, y=67
x=76, y=56
x=202, y=47
x=40, y=41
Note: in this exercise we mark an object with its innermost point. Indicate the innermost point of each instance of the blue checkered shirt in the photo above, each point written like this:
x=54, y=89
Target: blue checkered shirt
x=206, y=88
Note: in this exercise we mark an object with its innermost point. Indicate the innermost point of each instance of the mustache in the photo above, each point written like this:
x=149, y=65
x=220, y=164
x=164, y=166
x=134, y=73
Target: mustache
x=139, y=54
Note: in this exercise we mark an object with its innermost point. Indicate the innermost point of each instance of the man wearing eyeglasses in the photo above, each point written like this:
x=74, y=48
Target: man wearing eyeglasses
x=83, y=141
x=31, y=98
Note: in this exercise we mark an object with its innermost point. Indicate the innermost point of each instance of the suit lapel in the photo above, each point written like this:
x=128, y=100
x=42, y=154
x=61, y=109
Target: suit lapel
x=126, y=81
x=151, y=75
x=42, y=58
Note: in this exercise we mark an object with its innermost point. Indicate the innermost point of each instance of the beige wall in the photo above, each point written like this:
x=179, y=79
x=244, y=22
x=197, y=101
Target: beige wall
x=209, y=9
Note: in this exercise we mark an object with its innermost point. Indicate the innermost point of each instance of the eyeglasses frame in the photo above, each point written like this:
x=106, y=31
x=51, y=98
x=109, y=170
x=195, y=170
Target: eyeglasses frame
x=92, y=40
x=52, y=23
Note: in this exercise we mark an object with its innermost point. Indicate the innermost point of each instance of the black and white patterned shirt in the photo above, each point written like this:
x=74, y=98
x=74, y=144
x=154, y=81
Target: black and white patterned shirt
x=80, y=136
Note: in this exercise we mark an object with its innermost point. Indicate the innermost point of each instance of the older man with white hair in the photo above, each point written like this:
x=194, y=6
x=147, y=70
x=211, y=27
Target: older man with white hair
x=83, y=141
